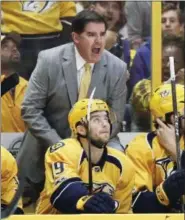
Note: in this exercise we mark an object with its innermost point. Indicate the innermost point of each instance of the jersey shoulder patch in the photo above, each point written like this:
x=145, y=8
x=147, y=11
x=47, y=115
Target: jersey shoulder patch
x=56, y=146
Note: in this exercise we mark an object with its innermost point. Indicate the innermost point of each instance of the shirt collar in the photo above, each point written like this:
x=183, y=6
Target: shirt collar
x=80, y=61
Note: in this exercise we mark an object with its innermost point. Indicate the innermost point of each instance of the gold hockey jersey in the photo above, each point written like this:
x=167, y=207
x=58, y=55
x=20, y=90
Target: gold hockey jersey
x=9, y=181
x=35, y=17
x=67, y=160
x=151, y=161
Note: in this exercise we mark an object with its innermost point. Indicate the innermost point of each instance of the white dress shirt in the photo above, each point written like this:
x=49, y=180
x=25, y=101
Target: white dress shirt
x=80, y=62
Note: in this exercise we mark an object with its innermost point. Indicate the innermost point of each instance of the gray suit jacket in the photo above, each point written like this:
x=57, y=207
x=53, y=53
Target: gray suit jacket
x=51, y=93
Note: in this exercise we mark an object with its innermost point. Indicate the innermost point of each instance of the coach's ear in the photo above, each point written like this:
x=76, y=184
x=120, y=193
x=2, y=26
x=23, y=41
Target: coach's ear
x=75, y=37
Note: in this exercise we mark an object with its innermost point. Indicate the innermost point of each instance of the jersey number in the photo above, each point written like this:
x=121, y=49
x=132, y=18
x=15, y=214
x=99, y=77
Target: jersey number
x=57, y=168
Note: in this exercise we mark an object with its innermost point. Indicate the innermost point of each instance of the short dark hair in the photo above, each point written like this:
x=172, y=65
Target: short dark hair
x=174, y=40
x=84, y=17
x=13, y=36
x=173, y=7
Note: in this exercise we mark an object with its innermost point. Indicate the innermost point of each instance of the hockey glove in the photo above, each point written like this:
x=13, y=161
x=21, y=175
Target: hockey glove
x=172, y=188
x=98, y=203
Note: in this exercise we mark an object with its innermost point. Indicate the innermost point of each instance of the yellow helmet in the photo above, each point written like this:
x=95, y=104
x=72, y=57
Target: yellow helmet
x=141, y=95
x=161, y=101
x=79, y=111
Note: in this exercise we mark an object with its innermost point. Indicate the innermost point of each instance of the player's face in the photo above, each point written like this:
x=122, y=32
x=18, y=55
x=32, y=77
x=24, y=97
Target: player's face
x=91, y=42
x=178, y=60
x=110, y=10
x=170, y=22
x=100, y=127
x=9, y=53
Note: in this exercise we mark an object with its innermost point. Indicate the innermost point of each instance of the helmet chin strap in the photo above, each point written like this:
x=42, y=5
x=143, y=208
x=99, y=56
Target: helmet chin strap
x=97, y=144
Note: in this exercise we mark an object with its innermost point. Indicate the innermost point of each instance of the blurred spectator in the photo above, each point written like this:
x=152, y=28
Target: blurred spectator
x=138, y=16
x=172, y=19
x=80, y=6
x=11, y=101
x=180, y=77
x=9, y=180
x=140, y=106
x=42, y=25
x=141, y=66
x=172, y=46
x=113, y=13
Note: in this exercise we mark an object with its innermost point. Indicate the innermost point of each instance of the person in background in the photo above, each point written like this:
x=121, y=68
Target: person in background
x=41, y=24
x=172, y=24
x=62, y=76
x=180, y=77
x=172, y=19
x=9, y=181
x=11, y=120
x=141, y=65
x=174, y=46
x=67, y=183
x=139, y=102
x=138, y=16
x=158, y=183
x=113, y=12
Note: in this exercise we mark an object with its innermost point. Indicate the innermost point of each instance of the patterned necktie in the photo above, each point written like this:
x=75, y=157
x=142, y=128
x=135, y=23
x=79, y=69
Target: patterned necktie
x=85, y=81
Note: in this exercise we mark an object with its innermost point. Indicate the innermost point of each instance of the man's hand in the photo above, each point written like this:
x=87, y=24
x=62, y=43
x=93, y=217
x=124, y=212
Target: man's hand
x=166, y=137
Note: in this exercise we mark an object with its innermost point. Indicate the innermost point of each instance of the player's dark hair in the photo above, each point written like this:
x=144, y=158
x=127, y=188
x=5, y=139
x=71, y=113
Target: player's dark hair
x=83, y=18
x=174, y=40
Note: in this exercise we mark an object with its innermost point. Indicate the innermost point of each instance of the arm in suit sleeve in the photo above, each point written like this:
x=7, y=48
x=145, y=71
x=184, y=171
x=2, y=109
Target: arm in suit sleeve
x=35, y=101
x=117, y=98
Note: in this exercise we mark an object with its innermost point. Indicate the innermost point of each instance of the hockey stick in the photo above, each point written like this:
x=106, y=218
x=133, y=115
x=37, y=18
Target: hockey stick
x=89, y=142
x=175, y=110
x=176, y=118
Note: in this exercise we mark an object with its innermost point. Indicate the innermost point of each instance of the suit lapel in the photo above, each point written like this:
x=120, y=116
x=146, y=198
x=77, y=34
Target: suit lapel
x=70, y=73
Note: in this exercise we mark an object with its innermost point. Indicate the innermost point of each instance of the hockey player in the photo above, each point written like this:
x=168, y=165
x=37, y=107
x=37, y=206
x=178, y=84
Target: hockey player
x=158, y=186
x=9, y=181
x=66, y=168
